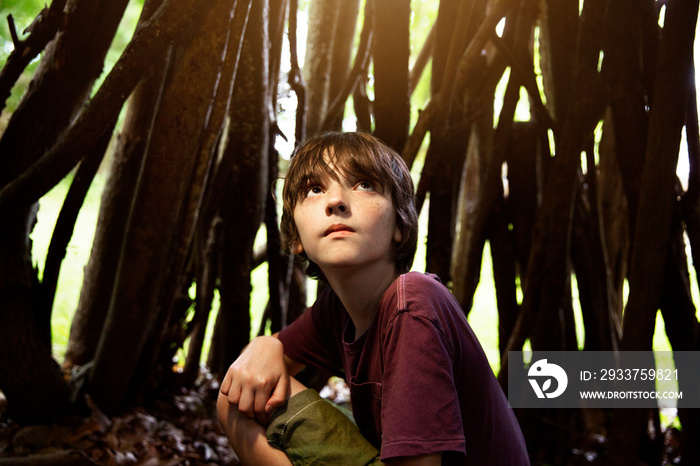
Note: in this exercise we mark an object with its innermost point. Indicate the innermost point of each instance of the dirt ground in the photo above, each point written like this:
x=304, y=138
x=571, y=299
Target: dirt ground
x=182, y=429
x=179, y=430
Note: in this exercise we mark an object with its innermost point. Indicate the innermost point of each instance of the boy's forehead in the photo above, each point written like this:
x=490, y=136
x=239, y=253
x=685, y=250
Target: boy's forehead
x=331, y=163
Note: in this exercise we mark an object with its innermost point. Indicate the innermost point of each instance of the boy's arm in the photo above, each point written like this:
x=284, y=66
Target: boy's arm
x=293, y=367
x=258, y=380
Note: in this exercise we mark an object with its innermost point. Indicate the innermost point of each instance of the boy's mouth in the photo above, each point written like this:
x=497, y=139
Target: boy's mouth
x=337, y=227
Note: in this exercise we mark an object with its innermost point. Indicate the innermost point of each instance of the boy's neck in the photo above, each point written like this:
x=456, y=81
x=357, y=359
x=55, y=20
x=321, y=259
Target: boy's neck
x=361, y=290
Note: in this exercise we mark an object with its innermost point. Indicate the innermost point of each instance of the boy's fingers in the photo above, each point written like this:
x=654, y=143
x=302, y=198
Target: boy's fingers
x=226, y=383
x=260, y=404
x=245, y=403
x=234, y=395
x=278, y=396
x=261, y=399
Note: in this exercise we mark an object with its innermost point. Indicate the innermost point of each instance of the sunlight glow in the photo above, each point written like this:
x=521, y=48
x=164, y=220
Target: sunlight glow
x=500, y=26
x=550, y=138
x=522, y=110
x=597, y=137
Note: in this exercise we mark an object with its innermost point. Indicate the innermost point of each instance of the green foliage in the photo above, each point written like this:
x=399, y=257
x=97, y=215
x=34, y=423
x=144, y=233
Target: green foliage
x=23, y=12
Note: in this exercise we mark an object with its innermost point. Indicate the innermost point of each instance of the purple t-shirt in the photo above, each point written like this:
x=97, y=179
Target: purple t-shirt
x=419, y=380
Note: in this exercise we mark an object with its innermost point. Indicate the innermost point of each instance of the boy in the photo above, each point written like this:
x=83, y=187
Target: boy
x=422, y=391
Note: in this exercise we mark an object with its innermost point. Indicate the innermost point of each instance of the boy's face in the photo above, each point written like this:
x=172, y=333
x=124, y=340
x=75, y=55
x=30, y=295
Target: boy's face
x=346, y=222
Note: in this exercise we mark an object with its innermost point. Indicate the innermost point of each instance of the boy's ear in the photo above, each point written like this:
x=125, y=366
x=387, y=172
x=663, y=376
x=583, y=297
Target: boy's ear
x=398, y=235
x=297, y=248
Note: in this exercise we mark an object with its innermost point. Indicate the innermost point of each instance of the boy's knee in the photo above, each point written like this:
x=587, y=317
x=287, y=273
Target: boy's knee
x=233, y=422
x=247, y=436
x=223, y=408
x=230, y=417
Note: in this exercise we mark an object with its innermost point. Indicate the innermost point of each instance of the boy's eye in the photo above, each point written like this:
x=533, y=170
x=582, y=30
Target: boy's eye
x=313, y=190
x=365, y=186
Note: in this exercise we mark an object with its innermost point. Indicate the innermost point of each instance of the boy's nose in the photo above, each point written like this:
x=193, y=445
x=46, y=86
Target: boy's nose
x=337, y=203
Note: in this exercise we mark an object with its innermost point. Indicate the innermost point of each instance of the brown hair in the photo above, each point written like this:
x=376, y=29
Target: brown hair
x=360, y=155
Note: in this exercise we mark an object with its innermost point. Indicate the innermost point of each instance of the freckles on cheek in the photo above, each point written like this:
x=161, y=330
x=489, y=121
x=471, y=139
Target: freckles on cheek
x=379, y=206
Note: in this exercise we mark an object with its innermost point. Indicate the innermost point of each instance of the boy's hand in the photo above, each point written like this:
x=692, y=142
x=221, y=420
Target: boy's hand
x=258, y=382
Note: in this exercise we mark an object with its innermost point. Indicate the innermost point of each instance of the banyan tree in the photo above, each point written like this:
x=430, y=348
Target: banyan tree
x=545, y=137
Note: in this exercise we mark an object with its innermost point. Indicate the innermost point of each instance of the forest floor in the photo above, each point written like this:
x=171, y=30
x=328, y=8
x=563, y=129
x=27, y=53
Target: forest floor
x=178, y=430
x=182, y=430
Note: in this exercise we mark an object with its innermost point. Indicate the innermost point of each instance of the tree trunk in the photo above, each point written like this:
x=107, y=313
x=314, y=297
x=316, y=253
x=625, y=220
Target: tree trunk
x=154, y=231
x=653, y=223
x=547, y=273
x=279, y=266
x=343, y=45
x=504, y=263
x=318, y=60
x=101, y=269
x=558, y=36
x=615, y=218
x=154, y=372
x=391, y=71
x=449, y=146
x=61, y=84
x=592, y=274
x=690, y=204
x=510, y=247
x=444, y=26
x=628, y=96
x=683, y=330
x=469, y=243
x=65, y=224
x=243, y=173
x=30, y=378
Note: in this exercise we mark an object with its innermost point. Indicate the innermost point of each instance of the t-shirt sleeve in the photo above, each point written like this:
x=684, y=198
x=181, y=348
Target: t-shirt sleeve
x=420, y=406
x=311, y=338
